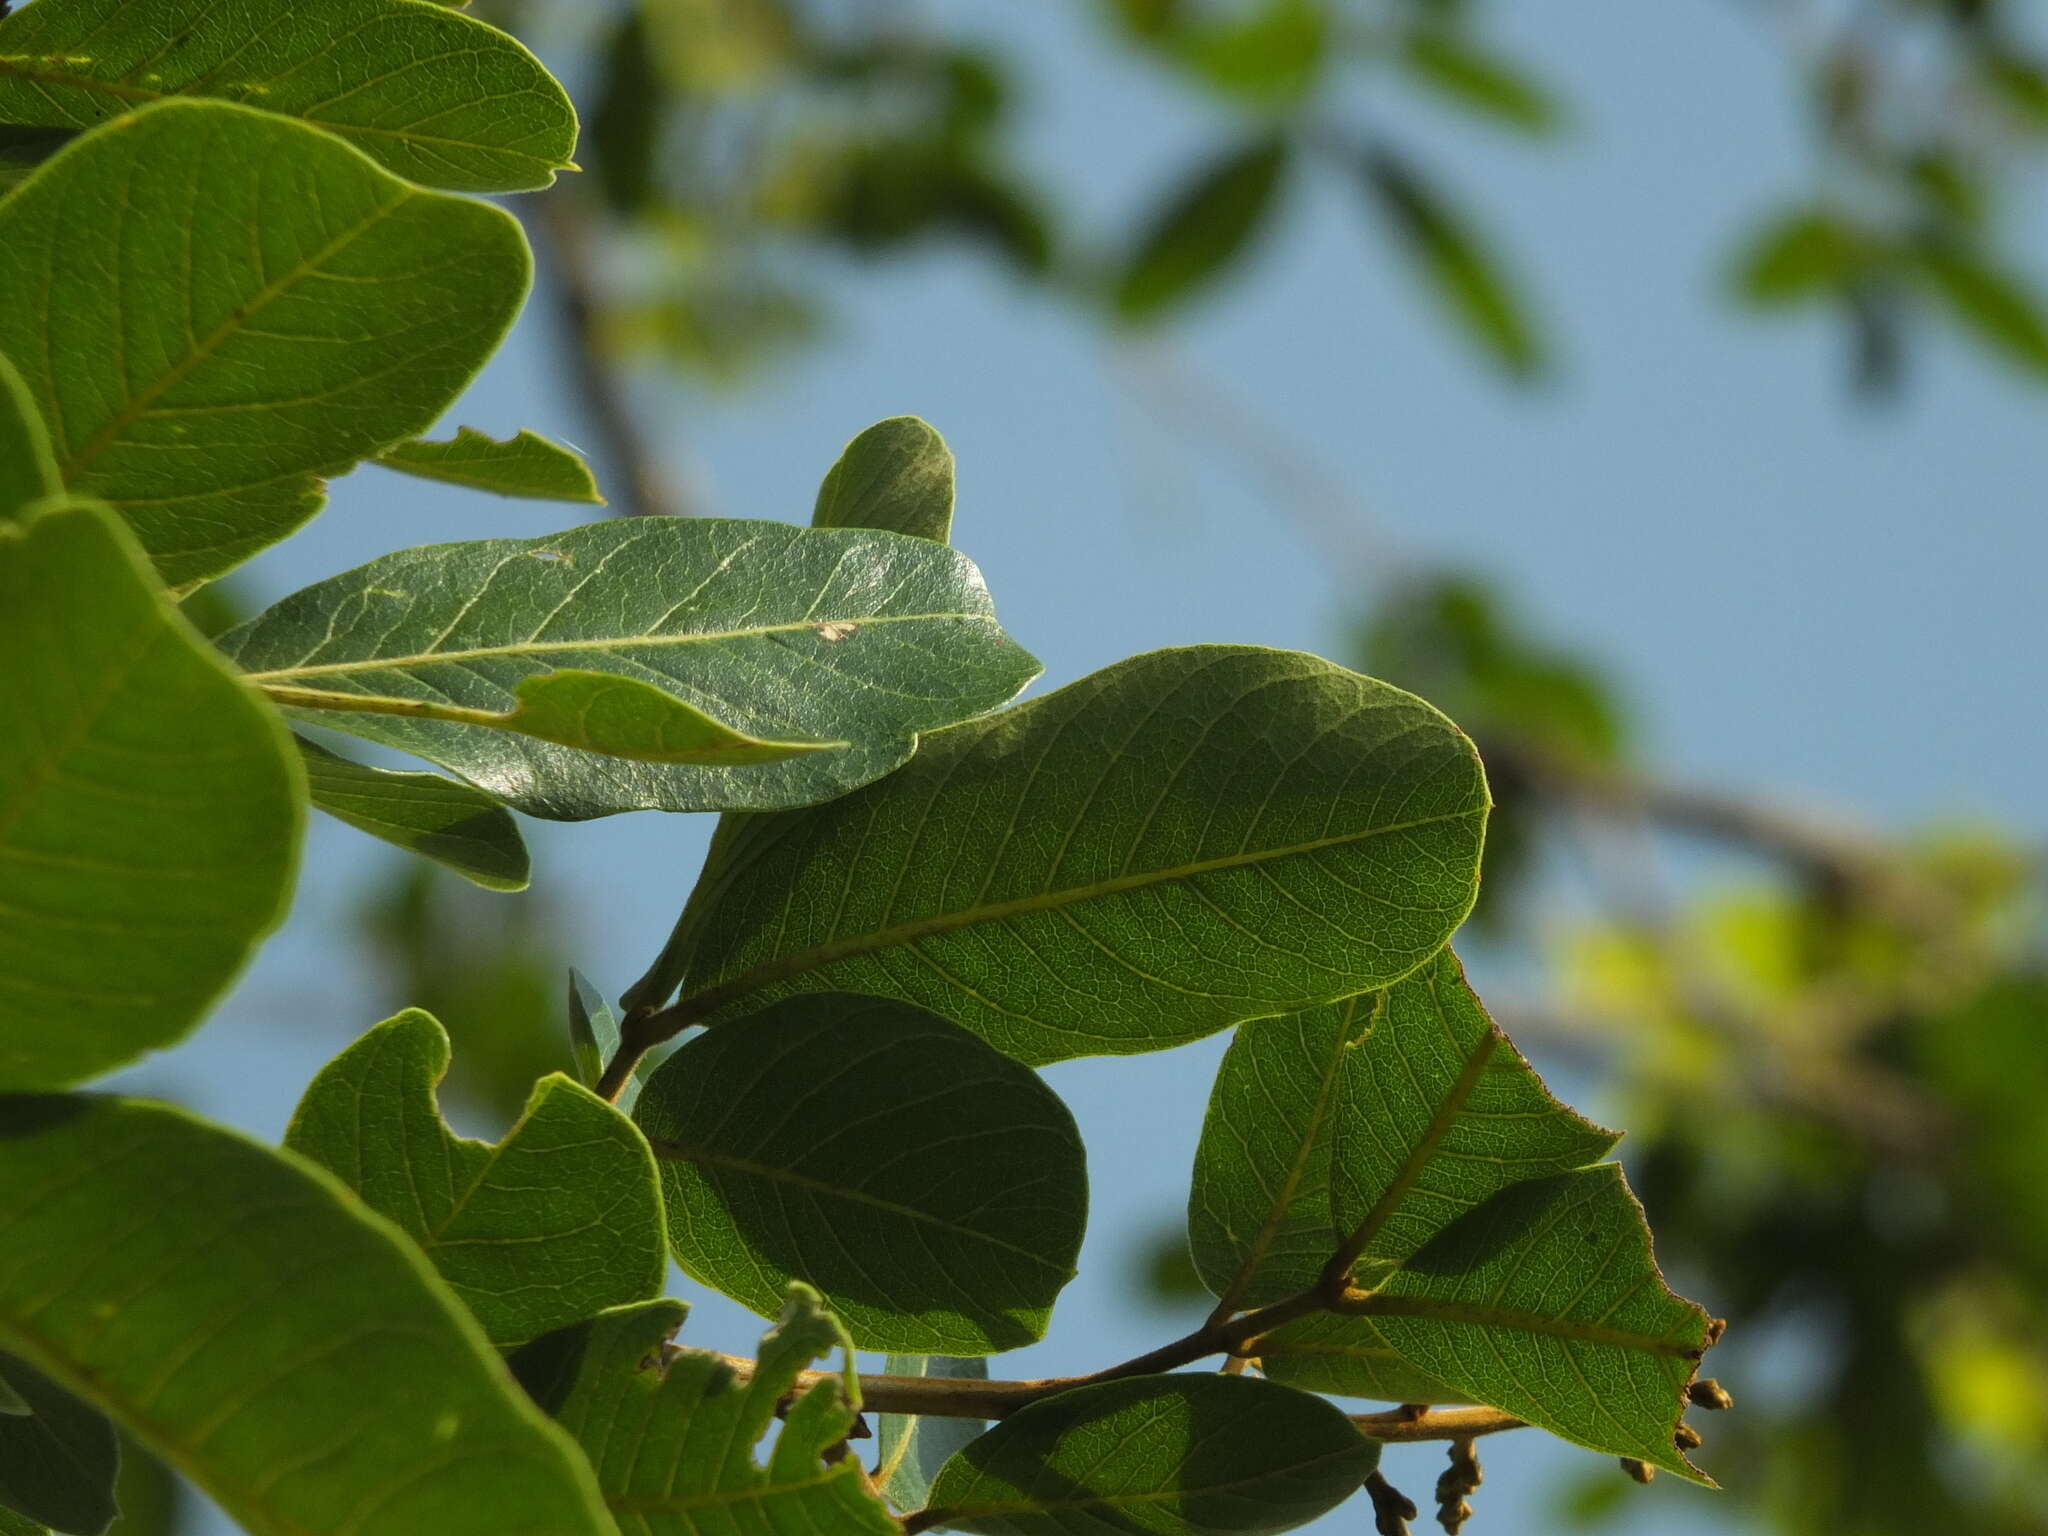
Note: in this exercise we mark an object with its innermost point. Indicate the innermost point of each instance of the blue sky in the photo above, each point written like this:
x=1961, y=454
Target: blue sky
x=1798, y=594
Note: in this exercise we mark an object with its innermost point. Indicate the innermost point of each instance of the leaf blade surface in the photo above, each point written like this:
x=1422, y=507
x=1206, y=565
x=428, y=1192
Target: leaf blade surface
x=438, y=818
x=527, y=465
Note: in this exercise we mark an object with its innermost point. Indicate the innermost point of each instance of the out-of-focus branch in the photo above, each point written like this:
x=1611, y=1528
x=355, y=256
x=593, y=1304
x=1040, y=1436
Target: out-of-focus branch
x=559, y=220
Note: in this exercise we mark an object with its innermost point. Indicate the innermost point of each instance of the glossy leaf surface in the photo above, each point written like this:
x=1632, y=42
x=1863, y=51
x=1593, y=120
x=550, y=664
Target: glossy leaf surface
x=931, y=1188
x=672, y=1434
x=291, y=1354
x=557, y=1221
x=1177, y=843
x=439, y=98
x=526, y=465
x=779, y=632
x=58, y=1457
x=441, y=819
x=149, y=807
x=338, y=310
x=896, y=476
x=1198, y=1454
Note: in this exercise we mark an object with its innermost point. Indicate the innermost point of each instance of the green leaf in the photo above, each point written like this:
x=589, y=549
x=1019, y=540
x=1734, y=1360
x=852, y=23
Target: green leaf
x=557, y=1221
x=12, y=1524
x=1268, y=56
x=285, y=1350
x=59, y=1460
x=1182, y=1455
x=423, y=813
x=1205, y=226
x=632, y=110
x=1178, y=843
x=932, y=1189
x=828, y=634
x=151, y=1499
x=338, y=310
x=1800, y=255
x=439, y=98
x=593, y=1034
x=527, y=465
x=1545, y=1302
x=671, y=1432
x=23, y=149
x=1467, y=75
x=911, y=1448
x=1996, y=307
x=1453, y=258
x=28, y=473
x=149, y=808
x=896, y=476
x=1348, y=1357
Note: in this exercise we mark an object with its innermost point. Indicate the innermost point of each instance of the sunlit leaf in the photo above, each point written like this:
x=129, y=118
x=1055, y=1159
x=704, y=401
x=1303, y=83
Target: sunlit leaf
x=526, y=465
x=932, y=1189
x=672, y=1433
x=149, y=807
x=1175, y=844
x=1269, y=54
x=438, y=818
x=338, y=310
x=896, y=476
x=441, y=99
x=288, y=1352
x=1183, y=1455
x=1203, y=229
x=557, y=1221
x=787, y=634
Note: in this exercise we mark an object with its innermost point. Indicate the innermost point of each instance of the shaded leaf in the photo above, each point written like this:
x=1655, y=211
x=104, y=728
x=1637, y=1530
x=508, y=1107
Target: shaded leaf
x=1467, y=75
x=896, y=476
x=28, y=473
x=437, y=818
x=626, y=127
x=933, y=1190
x=1203, y=228
x=557, y=1221
x=23, y=149
x=289, y=1353
x=1545, y=1302
x=527, y=465
x=1182, y=1455
x=1175, y=844
x=1996, y=307
x=58, y=1461
x=671, y=1432
x=338, y=310
x=1800, y=255
x=149, y=808
x=1348, y=1357
x=826, y=634
x=594, y=1036
x=152, y=1501
x=910, y=1448
x=439, y=98
x=1453, y=258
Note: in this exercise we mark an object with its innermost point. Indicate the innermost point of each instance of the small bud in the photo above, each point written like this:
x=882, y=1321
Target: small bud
x=1392, y=1509
x=1641, y=1471
x=1452, y=1516
x=1716, y=1326
x=1709, y=1393
x=1686, y=1438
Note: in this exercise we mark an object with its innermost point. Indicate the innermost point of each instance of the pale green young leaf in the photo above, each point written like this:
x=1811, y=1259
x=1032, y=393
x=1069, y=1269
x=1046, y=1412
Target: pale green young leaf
x=1203, y=229
x=59, y=1459
x=441, y=99
x=779, y=632
x=557, y=1221
x=593, y=1034
x=1269, y=54
x=282, y=1347
x=933, y=1190
x=150, y=807
x=672, y=1433
x=910, y=1448
x=1546, y=1303
x=452, y=823
x=28, y=472
x=1183, y=1455
x=1802, y=254
x=896, y=476
x=1178, y=843
x=526, y=465
x=338, y=310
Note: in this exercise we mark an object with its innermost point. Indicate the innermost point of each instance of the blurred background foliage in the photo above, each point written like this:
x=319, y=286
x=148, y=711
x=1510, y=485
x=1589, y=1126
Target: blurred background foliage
x=1832, y=1061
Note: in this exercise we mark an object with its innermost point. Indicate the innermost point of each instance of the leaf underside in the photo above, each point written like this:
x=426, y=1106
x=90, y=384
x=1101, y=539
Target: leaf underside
x=454, y=824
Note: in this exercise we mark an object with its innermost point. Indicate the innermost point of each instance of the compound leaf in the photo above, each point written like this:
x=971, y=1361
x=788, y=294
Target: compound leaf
x=149, y=807
x=527, y=465
x=58, y=1457
x=897, y=476
x=1175, y=844
x=439, y=98
x=932, y=1189
x=671, y=1432
x=1181, y=1455
x=557, y=1221
x=788, y=634
x=441, y=819
x=336, y=310
x=286, y=1350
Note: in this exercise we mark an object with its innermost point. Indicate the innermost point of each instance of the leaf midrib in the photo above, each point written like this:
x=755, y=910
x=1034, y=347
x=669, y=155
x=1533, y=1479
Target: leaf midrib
x=1479, y=1314
x=703, y=1003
